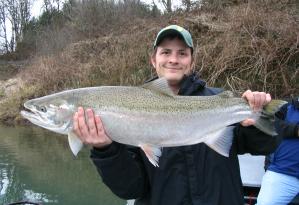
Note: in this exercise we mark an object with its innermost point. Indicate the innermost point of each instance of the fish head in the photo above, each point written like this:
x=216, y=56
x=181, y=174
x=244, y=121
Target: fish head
x=52, y=112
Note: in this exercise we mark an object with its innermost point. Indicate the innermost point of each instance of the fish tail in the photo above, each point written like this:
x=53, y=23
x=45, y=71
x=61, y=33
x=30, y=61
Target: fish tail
x=265, y=121
x=271, y=108
x=221, y=140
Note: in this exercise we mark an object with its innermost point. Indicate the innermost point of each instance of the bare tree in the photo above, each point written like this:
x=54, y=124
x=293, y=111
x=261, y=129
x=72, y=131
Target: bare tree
x=167, y=5
x=50, y=5
x=3, y=14
x=187, y=4
x=24, y=13
x=47, y=5
x=14, y=15
x=58, y=3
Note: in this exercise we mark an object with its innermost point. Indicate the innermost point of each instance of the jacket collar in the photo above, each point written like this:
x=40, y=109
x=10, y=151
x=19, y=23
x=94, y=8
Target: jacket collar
x=191, y=84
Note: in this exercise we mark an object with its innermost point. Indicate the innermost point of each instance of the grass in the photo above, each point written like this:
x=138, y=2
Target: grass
x=2, y=92
x=7, y=70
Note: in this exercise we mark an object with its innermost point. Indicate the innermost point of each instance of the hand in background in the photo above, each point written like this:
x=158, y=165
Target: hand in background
x=256, y=100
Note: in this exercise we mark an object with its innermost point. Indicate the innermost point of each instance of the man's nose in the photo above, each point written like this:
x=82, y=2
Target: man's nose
x=173, y=58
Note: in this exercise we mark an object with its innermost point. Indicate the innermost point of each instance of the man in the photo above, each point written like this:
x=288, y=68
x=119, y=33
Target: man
x=188, y=174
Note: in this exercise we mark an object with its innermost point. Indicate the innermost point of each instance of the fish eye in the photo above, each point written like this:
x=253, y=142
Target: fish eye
x=42, y=108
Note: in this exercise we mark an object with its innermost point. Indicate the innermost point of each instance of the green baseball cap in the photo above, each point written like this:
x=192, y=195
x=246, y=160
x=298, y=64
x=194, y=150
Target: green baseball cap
x=174, y=29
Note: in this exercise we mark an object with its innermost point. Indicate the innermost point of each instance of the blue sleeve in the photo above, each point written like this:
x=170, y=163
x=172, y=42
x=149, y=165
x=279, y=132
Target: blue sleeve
x=284, y=128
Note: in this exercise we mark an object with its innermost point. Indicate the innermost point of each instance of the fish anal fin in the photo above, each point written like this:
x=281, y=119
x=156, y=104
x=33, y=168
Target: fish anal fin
x=152, y=153
x=74, y=142
x=221, y=140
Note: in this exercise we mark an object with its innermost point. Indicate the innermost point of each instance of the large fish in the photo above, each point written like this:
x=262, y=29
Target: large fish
x=150, y=116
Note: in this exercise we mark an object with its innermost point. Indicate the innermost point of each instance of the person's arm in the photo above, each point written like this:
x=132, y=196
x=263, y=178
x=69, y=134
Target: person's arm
x=249, y=139
x=286, y=129
x=252, y=140
x=120, y=167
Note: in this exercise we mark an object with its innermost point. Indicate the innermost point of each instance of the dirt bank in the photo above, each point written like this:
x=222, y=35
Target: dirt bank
x=9, y=80
x=10, y=85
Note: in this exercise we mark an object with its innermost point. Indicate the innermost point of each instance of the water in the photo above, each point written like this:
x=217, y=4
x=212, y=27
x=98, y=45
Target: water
x=36, y=165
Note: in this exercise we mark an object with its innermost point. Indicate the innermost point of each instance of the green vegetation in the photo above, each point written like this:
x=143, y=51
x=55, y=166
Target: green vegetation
x=239, y=46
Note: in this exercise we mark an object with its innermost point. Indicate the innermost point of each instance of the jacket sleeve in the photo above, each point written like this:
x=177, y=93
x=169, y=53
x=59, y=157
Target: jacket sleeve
x=122, y=170
x=252, y=140
x=284, y=128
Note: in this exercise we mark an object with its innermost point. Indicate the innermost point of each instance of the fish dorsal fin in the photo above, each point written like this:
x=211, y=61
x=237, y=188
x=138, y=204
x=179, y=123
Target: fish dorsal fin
x=226, y=94
x=160, y=85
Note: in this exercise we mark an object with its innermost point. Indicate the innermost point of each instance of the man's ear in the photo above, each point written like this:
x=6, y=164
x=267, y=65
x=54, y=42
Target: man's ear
x=192, y=64
x=153, y=61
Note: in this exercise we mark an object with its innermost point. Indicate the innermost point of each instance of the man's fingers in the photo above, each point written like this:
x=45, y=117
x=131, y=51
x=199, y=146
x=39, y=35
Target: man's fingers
x=91, y=123
x=76, y=125
x=105, y=140
x=256, y=100
x=82, y=124
x=247, y=92
x=248, y=95
x=268, y=98
x=248, y=122
x=90, y=129
x=99, y=125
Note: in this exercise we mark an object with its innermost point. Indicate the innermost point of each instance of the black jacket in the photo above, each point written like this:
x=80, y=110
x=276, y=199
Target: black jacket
x=186, y=175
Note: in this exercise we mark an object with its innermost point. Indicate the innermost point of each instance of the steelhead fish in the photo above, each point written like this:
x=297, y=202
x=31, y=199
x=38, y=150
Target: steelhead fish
x=150, y=116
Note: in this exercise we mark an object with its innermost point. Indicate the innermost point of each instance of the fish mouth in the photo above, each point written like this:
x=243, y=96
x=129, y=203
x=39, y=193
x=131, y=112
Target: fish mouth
x=30, y=112
x=33, y=116
x=43, y=119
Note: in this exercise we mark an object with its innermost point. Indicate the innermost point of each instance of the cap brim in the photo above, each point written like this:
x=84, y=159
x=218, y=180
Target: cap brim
x=167, y=32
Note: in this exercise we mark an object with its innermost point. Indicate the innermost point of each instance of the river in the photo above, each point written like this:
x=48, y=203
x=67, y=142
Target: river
x=37, y=165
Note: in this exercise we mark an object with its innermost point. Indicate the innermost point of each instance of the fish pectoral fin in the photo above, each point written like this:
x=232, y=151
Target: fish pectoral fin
x=152, y=153
x=74, y=142
x=160, y=85
x=221, y=140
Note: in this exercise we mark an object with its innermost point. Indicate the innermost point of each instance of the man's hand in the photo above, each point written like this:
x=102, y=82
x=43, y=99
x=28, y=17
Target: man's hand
x=256, y=100
x=90, y=130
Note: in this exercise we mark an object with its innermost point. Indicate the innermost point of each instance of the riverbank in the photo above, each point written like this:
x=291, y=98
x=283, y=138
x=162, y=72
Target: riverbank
x=10, y=85
x=248, y=45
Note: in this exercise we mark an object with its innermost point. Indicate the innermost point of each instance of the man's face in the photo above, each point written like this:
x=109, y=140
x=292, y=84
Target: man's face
x=173, y=60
